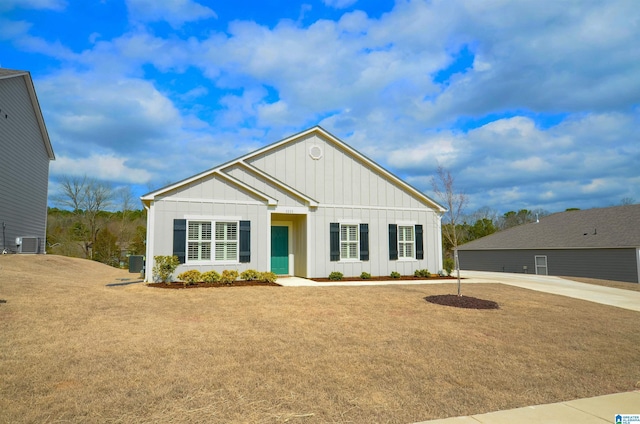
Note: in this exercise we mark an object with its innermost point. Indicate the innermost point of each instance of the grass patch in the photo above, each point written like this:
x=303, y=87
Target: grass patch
x=76, y=351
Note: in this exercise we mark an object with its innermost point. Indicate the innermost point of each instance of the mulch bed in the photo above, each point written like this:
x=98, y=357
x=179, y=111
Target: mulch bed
x=462, y=301
x=239, y=283
x=386, y=278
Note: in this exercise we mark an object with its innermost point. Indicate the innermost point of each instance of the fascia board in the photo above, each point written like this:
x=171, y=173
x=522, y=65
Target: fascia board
x=262, y=174
x=270, y=201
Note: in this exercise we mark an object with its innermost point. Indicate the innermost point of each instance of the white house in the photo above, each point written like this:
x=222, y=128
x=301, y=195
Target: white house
x=307, y=205
x=25, y=154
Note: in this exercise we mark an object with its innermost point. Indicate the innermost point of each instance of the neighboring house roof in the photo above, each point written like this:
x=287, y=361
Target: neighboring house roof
x=613, y=227
x=10, y=73
x=244, y=161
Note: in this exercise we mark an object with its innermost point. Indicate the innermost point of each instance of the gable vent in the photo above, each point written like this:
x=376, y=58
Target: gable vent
x=315, y=152
x=29, y=245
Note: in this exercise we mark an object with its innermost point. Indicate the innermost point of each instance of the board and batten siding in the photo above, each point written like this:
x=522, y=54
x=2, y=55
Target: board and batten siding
x=24, y=166
x=378, y=221
x=284, y=197
x=191, y=203
x=337, y=178
x=609, y=264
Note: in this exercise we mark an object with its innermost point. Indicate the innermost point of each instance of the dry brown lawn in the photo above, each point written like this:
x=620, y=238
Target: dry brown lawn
x=73, y=350
x=607, y=283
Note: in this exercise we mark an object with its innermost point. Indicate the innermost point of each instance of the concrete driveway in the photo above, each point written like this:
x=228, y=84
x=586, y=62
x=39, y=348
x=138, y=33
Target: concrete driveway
x=621, y=298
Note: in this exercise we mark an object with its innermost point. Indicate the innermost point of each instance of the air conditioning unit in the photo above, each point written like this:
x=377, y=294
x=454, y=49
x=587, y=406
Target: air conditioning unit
x=28, y=244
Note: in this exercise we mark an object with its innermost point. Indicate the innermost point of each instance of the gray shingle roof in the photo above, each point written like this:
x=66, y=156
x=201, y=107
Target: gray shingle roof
x=617, y=226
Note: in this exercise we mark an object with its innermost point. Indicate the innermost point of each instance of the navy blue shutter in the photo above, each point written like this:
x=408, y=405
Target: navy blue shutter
x=419, y=243
x=334, y=241
x=393, y=242
x=364, y=242
x=180, y=239
x=245, y=241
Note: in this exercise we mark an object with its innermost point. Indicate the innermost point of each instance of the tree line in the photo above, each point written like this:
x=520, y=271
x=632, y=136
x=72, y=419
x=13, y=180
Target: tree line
x=87, y=227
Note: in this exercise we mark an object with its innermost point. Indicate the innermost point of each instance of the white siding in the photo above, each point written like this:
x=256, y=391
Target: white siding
x=24, y=166
x=378, y=221
x=284, y=197
x=335, y=179
x=166, y=211
x=345, y=186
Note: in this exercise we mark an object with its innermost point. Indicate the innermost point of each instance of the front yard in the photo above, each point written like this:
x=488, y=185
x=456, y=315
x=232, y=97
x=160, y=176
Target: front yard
x=74, y=350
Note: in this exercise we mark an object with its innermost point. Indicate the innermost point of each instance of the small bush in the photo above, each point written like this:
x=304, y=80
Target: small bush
x=423, y=273
x=210, y=277
x=448, y=265
x=228, y=276
x=163, y=267
x=365, y=276
x=395, y=274
x=250, y=275
x=268, y=277
x=190, y=277
x=335, y=276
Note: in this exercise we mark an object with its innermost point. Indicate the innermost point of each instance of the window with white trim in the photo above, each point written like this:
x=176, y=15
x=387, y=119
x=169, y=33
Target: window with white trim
x=226, y=241
x=406, y=242
x=349, y=248
x=223, y=241
x=199, y=241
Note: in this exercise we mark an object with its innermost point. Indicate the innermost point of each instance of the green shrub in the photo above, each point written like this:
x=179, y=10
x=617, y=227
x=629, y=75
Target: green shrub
x=228, y=276
x=268, y=277
x=250, y=275
x=190, y=277
x=210, y=277
x=395, y=274
x=423, y=273
x=365, y=275
x=335, y=276
x=448, y=265
x=163, y=267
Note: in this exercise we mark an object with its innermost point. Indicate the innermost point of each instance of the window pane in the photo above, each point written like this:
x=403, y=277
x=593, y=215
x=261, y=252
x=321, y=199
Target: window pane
x=220, y=227
x=194, y=230
x=192, y=251
x=206, y=251
x=206, y=231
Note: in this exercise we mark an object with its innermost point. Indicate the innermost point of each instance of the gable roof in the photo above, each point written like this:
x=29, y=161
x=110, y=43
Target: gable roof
x=317, y=130
x=11, y=73
x=613, y=227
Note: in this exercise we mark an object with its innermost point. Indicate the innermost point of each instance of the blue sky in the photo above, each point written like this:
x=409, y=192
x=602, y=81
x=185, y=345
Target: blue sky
x=529, y=104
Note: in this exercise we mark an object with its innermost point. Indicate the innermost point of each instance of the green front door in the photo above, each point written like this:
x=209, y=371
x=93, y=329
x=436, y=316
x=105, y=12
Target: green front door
x=280, y=250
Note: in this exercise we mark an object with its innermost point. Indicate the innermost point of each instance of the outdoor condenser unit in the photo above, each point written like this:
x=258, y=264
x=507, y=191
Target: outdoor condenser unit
x=28, y=244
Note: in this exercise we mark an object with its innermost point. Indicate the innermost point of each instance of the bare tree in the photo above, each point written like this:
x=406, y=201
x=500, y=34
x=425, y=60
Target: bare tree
x=455, y=202
x=87, y=197
x=73, y=192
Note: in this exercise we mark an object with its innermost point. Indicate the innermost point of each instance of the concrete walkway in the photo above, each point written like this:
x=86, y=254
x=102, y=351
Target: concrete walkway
x=595, y=410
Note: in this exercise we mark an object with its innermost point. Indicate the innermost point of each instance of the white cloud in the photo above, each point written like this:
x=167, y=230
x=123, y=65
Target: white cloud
x=175, y=12
x=102, y=167
x=339, y=4
x=33, y=4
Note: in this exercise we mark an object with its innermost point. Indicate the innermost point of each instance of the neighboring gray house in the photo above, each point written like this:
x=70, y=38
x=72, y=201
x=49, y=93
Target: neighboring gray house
x=306, y=206
x=25, y=153
x=596, y=243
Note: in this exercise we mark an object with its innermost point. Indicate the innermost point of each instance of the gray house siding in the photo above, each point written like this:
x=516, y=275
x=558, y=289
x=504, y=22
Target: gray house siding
x=610, y=264
x=24, y=167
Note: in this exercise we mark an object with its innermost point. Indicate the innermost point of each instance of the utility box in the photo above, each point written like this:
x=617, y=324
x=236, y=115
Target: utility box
x=136, y=263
